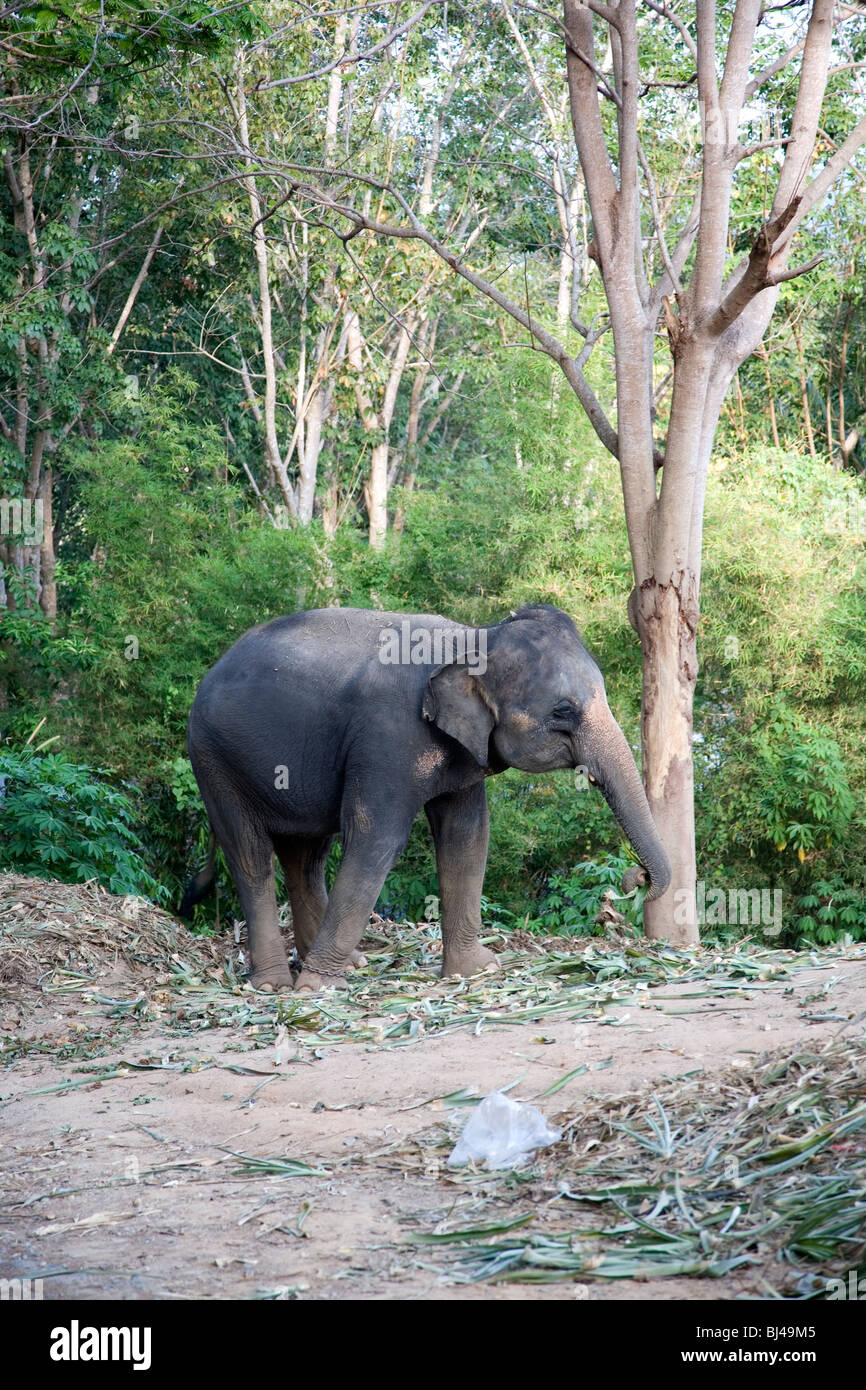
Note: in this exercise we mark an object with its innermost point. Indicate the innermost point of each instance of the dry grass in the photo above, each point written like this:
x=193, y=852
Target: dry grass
x=68, y=939
x=764, y=1167
x=62, y=938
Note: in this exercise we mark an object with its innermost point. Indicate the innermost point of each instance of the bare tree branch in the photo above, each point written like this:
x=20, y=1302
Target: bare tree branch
x=685, y=241
x=807, y=108
x=609, y=13
x=756, y=276
x=447, y=400
x=629, y=187
x=667, y=12
x=823, y=181
x=586, y=119
x=133, y=293
x=670, y=269
x=746, y=151
x=345, y=59
x=571, y=367
x=778, y=65
x=777, y=277
x=740, y=46
x=708, y=86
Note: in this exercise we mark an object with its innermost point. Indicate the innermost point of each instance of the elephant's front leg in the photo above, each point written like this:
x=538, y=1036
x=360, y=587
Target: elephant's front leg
x=461, y=830
x=369, y=850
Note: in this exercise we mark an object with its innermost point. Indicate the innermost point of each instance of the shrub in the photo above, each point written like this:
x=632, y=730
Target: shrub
x=782, y=793
x=574, y=898
x=830, y=910
x=60, y=820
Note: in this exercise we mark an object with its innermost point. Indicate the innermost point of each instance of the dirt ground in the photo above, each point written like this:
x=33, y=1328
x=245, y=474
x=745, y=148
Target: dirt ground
x=131, y=1186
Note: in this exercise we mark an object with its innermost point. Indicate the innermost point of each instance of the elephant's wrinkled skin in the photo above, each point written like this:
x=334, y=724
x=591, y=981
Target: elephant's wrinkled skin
x=301, y=732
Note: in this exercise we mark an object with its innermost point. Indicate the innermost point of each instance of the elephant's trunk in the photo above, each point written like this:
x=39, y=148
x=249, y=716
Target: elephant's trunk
x=611, y=763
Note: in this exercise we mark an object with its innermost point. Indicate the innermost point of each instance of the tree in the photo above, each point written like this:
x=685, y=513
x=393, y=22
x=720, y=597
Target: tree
x=715, y=307
x=71, y=75
x=365, y=322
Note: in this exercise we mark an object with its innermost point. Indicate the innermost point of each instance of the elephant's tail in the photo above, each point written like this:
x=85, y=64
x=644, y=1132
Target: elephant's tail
x=199, y=887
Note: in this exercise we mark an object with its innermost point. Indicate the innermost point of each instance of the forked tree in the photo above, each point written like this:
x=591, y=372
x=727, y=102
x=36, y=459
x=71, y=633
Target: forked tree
x=715, y=312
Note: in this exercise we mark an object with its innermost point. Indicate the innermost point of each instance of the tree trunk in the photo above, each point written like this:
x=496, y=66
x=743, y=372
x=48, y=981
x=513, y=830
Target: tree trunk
x=843, y=368
x=377, y=422
x=47, y=562
x=330, y=505
x=666, y=611
x=309, y=461
x=427, y=345
x=804, y=390
x=762, y=353
x=273, y=457
x=313, y=410
x=828, y=395
x=376, y=495
x=667, y=622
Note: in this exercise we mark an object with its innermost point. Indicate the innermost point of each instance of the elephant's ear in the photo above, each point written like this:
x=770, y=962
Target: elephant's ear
x=457, y=703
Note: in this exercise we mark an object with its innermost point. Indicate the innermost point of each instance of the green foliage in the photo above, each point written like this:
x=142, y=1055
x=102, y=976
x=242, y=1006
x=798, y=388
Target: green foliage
x=116, y=35
x=780, y=756
x=831, y=910
x=804, y=795
x=411, y=890
x=574, y=899
x=60, y=819
x=536, y=827
x=784, y=788
x=165, y=568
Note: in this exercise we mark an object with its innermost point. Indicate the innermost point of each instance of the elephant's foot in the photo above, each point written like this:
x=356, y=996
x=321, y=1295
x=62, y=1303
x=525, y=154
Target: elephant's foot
x=468, y=960
x=271, y=979
x=311, y=981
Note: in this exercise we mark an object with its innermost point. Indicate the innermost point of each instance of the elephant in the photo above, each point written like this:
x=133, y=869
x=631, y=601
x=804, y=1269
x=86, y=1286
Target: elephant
x=348, y=721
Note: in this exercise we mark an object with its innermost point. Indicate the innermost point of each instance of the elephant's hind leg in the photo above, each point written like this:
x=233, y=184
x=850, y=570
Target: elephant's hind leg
x=249, y=851
x=253, y=873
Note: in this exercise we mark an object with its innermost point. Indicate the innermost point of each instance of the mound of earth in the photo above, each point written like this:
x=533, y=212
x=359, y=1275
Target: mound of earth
x=49, y=928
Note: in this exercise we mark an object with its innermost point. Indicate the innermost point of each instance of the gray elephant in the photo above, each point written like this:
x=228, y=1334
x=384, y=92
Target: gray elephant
x=346, y=721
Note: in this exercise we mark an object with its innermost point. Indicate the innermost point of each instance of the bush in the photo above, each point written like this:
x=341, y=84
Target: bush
x=830, y=910
x=575, y=898
x=781, y=794
x=60, y=820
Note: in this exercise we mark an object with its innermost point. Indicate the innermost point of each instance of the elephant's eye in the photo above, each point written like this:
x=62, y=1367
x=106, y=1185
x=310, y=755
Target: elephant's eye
x=565, y=713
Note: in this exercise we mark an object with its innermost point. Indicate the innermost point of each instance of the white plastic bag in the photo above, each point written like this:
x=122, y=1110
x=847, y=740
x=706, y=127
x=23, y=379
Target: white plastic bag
x=503, y=1132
